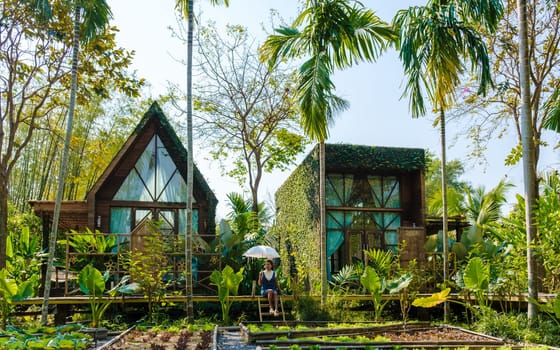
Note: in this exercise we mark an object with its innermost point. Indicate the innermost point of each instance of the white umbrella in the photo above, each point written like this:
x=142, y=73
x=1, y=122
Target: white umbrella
x=261, y=251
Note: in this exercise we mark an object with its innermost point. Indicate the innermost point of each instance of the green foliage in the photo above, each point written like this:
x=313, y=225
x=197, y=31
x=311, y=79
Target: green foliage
x=147, y=266
x=307, y=308
x=227, y=282
x=381, y=261
x=61, y=337
x=375, y=285
x=10, y=291
x=433, y=300
x=297, y=221
x=86, y=247
x=92, y=283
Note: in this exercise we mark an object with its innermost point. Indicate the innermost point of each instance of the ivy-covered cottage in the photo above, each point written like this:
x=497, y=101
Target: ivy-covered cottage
x=374, y=199
x=145, y=180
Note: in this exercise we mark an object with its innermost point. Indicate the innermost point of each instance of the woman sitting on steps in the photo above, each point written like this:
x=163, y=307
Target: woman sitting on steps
x=269, y=286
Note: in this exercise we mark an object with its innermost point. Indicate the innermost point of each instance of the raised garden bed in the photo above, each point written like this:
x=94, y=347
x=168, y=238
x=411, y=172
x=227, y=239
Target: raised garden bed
x=360, y=336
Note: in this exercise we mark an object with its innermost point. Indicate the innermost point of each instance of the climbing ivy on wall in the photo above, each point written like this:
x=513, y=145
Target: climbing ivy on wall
x=297, y=220
x=350, y=158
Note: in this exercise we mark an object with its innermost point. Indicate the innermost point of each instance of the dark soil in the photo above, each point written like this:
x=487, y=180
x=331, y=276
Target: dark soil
x=184, y=340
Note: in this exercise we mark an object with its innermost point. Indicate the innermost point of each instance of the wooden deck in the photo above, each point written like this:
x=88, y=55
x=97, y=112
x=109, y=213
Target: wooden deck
x=248, y=298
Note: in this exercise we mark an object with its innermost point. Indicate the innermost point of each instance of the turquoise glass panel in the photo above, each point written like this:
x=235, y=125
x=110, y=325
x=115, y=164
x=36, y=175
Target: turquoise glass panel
x=392, y=221
x=183, y=220
x=334, y=190
x=335, y=219
x=120, y=220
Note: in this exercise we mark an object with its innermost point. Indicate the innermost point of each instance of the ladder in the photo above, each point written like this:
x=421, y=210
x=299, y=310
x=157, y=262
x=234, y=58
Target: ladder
x=264, y=307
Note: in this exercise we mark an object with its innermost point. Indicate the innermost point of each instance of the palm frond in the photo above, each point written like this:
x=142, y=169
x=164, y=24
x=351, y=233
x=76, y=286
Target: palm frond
x=96, y=15
x=551, y=119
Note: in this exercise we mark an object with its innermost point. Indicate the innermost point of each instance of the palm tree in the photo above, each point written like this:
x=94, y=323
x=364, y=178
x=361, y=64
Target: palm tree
x=529, y=159
x=96, y=15
x=434, y=42
x=186, y=8
x=334, y=34
x=552, y=111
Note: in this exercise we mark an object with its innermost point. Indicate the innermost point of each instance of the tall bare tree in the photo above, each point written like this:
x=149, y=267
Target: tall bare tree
x=247, y=113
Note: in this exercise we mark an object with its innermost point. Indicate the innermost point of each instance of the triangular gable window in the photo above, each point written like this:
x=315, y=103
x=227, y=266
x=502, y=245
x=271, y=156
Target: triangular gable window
x=154, y=178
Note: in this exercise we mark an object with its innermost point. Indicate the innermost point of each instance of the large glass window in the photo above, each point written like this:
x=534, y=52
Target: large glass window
x=154, y=177
x=362, y=213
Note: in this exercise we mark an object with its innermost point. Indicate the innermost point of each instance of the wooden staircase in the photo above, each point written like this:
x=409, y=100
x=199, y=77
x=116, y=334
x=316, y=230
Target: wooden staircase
x=264, y=308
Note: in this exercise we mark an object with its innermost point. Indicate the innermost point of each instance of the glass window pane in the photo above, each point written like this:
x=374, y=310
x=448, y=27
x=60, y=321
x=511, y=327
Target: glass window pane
x=355, y=246
x=391, y=240
x=183, y=219
x=120, y=220
x=392, y=221
x=335, y=219
x=146, y=166
x=375, y=189
x=132, y=189
x=175, y=191
x=334, y=190
x=391, y=195
x=142, y=214
x=165, y=167
x=373, y=240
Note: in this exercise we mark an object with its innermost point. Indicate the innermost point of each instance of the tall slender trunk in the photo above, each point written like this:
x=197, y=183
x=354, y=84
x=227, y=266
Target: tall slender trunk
x=528, y=151
x=63, y=166
x=3, y=217
x=190, y=164
x=444, y=208
x=322, y=223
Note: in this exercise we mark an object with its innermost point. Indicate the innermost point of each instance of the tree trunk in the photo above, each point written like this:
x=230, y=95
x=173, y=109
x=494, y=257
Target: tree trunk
x=528, y=151
x=322, y=223
x=63, y=166
x=190, y=164
x=444, y=209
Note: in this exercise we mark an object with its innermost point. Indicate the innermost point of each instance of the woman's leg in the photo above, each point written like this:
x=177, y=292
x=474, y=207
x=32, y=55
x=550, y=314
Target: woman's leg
x=270, y=295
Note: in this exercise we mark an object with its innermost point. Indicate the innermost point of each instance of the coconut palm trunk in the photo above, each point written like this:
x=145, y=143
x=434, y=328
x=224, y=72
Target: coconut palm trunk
x=63, y=167
x=528, y=151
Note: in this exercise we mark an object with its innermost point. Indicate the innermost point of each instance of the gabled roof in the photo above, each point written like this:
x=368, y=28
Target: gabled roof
x=153, y=119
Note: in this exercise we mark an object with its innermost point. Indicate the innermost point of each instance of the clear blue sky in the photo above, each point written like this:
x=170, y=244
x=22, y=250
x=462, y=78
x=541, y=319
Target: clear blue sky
x=377, y=115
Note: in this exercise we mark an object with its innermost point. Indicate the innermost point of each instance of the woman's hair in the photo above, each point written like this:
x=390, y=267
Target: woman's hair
x=270, y=261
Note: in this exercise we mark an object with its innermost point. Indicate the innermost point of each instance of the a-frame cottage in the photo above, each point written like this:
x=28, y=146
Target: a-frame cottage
x=374, y=199
x=145, y=180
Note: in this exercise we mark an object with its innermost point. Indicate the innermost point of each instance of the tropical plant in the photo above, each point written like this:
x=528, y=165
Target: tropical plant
x=11, y=291
x=23, y=253
x=381, y=260
x=227, y=282
x=434, y=42
x=92, y=283
x=376, y=285
x=88, y=248
x=334, y=34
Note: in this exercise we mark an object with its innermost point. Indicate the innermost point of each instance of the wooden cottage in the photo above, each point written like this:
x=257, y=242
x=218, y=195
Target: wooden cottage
x=145, y=180
x=374, y=199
